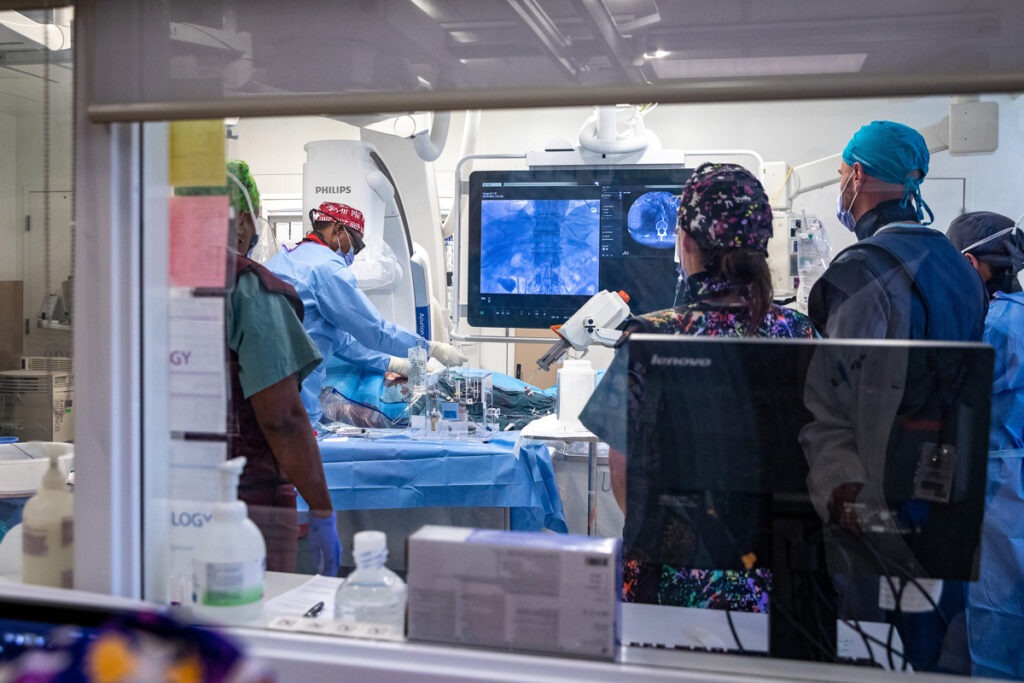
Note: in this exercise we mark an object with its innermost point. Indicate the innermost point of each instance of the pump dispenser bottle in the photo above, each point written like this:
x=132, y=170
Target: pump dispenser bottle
x=48, y=532
x=372, y=594
x=230, y=557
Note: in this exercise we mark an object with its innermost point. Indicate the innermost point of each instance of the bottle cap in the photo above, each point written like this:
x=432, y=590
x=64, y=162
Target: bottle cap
x=53, y=478
x=230, y=472
x=369, y=541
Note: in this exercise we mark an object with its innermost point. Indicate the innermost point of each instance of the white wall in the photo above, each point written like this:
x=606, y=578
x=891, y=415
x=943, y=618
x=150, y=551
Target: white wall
x=9, y=232
x=34, y=153
x=273, y=148
x=21, y=179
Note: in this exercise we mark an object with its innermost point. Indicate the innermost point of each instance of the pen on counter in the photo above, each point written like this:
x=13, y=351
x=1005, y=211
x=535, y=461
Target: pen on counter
x=315, y=610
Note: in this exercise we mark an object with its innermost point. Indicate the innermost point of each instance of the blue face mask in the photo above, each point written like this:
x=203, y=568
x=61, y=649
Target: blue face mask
x=349, y=255
x=842, y=213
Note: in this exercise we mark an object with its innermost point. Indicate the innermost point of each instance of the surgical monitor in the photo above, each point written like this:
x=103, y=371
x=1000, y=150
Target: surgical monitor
x=543, y=241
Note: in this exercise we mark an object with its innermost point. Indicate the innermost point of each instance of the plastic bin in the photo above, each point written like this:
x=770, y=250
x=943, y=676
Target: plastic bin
x=22, y=466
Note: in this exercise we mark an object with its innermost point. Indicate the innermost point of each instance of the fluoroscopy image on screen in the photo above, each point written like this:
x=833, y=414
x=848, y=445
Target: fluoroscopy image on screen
x=539, y=246
x=651, y=220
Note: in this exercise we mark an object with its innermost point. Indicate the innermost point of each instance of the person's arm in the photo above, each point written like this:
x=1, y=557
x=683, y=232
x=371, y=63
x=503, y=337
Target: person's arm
x=346, y=306
x=286, y=426
x=617, y=467
x=355, y=353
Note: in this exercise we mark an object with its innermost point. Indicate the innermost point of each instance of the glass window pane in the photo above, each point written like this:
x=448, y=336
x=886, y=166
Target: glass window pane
x=37, y=293
x=442, y=54
x=793, y=148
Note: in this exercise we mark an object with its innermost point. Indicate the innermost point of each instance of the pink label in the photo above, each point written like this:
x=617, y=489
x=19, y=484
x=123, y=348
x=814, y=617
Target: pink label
x=33, y=543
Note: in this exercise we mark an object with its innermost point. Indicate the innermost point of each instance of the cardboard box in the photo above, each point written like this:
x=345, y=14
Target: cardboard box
x=529, y=592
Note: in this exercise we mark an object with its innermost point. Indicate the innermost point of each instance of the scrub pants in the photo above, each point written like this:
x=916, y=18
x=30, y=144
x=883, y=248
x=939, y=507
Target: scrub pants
x=272, y=509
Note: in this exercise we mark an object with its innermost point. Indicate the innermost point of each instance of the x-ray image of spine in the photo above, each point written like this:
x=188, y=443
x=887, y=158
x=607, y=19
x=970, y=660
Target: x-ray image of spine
x=539, y=246
x=652, y=219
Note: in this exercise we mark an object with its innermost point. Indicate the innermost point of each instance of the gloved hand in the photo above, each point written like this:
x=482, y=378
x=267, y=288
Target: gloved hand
x=447, y=354
x=434, y=365
x=323, y=544
x=400, y=366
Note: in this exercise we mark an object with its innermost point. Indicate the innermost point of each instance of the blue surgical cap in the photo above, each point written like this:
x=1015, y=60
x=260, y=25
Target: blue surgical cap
x=892, y=152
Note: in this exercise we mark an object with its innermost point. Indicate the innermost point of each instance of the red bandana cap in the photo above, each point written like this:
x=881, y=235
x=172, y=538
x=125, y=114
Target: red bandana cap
x=339, y=213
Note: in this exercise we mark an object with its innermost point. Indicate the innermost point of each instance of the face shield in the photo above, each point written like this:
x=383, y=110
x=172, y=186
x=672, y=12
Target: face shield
x=264, y=243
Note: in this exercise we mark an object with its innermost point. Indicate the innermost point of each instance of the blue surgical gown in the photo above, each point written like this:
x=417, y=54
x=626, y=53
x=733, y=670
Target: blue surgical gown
x=339, y=317
x=995, y=604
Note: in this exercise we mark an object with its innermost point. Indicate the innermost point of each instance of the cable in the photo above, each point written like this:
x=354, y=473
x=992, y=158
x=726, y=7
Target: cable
x=732, y=629
x=829, y=655
x=866, y=637
x=898, y=594
x=856, y=627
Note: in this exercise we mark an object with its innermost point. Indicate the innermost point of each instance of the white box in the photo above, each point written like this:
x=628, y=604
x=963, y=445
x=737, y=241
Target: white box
x=533, y=592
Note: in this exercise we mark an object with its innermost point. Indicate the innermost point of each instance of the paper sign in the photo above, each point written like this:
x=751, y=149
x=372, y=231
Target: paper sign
x=198, y=374
x=199, y=241
x=197, y=153
x=193, y=474
x=920, y=595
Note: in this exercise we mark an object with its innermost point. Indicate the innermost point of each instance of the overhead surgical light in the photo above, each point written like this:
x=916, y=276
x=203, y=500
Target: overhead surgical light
x=657, y=54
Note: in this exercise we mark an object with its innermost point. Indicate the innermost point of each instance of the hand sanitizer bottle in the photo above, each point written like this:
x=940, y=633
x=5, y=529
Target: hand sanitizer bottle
x=48, y=532
x=230, y=558
x=372, y=594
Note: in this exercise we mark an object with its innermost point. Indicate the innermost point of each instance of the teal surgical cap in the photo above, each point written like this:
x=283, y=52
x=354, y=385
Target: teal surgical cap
x=892, y=152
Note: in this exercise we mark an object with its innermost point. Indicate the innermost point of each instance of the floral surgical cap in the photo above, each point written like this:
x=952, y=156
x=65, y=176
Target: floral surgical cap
x=723, y=206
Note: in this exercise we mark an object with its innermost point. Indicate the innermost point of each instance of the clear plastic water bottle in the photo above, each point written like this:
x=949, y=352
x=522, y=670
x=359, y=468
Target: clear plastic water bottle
x=418, y=356
x=372, y=594
x=810, y=265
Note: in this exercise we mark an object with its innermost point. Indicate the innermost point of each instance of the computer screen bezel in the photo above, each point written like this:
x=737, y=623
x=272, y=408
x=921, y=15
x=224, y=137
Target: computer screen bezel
x=652, y=288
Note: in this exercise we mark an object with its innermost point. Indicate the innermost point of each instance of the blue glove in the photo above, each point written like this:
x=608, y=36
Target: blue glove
x=323, y=545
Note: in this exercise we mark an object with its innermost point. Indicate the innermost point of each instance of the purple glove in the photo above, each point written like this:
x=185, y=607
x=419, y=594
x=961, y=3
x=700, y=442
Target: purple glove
x=323, y=544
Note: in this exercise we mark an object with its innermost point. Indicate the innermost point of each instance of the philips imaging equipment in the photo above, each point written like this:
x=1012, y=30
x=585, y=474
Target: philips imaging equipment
x=543, y=241
x=790, y=462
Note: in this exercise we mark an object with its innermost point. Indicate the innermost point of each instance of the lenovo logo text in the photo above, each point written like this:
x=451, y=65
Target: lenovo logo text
x=680, y=361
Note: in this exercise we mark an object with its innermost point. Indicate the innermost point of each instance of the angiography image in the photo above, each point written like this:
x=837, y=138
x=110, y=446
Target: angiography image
x=652, y=219
x=539, y=246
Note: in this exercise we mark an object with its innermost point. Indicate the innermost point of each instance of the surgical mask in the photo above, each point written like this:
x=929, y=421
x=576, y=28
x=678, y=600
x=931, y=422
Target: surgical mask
x=252, y=244
x=1004, y=281
x=680, y=281
x=680, y=271
x=842, y=213
x=350, y=255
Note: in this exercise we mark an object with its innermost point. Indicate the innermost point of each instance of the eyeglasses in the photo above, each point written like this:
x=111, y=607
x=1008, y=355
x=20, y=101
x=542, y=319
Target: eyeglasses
x=355, y=239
